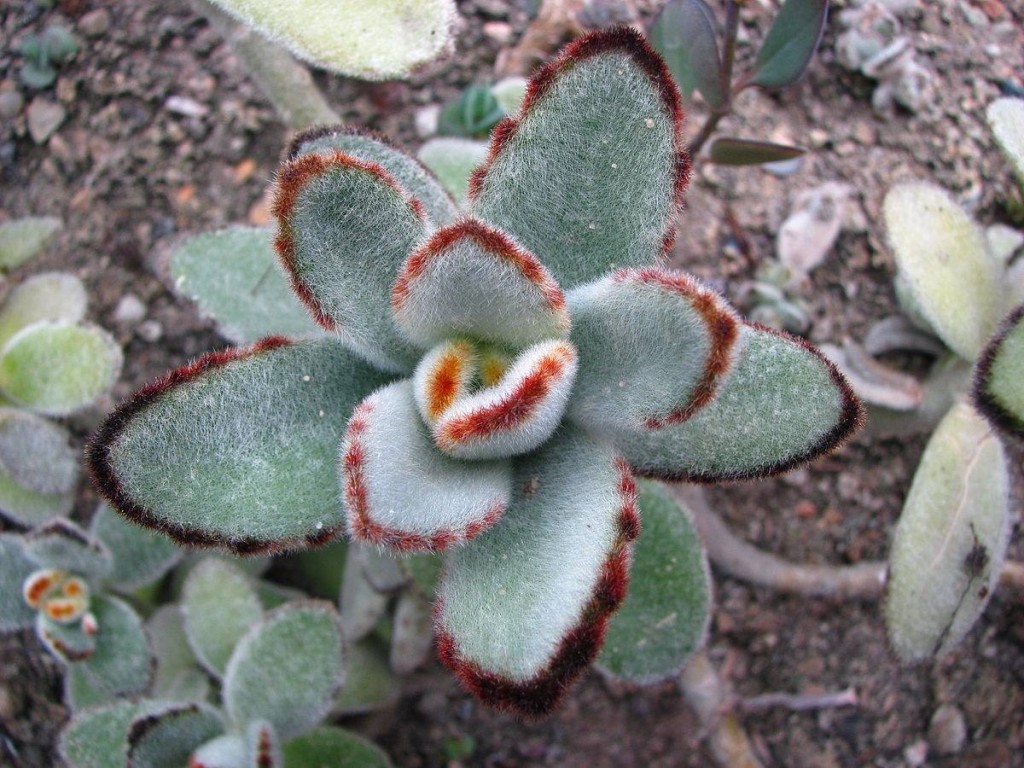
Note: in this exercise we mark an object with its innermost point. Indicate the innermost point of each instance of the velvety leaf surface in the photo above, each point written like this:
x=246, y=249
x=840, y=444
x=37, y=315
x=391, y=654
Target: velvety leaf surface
x=944, y=264
x=67, y=642
x=791, y=41
x=1006, y=117
x=729, y=151
x=999, y=380
x=523, y=609
x=62, y=544
x=781, y=405
x=472, y=280
x=262, y=747
x=287, y=669
x=167, y=738
x=345, y=229
x=329, y=745
x=401, y=492
x=684, y=34
x=411, y=636
x=383, y=569
x=97, y=737
x=234, y=276
x=177, y=676
x=247, y=442
x=140, y=556
x=362, y=605
x=35, y=453
x=55, y=296
x=369, y=683
x=15, y=567
x=21, y=239
x=219, y=605
x=453, y=160
x=56, y=368
x=666, y=613
x=29, y=508
x=653, y=346
x=591, y=174
x=370, y=148
x=951, y=538
x=227, y=751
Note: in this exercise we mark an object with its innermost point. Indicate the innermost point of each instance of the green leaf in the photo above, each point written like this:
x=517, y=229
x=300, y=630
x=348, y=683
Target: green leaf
x=781, y=404
x=63, y=545
x=473, y=114
x=262, y=748
x=370, y=682
x=383, y=570
x=943, y=262
x=521, y=609
x=287, y=669
x=425, y=571
x=666, y=613
x=453, y=161
x=591, y=175
x=227, y=751
x=343, y=263
x=219, y=606
x=653, y=347
x=21, y=239
x=233, y=275
x=331, y=746
x=140, y=556
x=317, y=572
x=510, y=93
x=684, y=34
x=362, y=605
x=790, y=44
x=15, y=567
x=69, y=643
x=98, y=737
x=29, y=508
x=35, y=453
x=56, y=369
x=1006, y=118
x=373, y=41
x=730, y=151
x=370, y=148
x=951, y=538
x=55, y=296
x=412, y=638
x=404, y=494
x=167, y=738
x=177, y=678
x=238, y=450
x=999, y=377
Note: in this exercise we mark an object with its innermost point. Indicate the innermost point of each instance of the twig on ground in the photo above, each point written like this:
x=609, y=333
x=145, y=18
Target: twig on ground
x=800, y=702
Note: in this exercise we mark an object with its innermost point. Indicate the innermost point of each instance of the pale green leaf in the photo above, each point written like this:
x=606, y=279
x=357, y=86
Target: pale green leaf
x=63, y=545
x=98, y=737
x=227, y=751
x=999, y=381
x=21, y=239
x=29, y=508
x=140, y=556
x=168, y=737
x=56, y=296
x=177, y=676
x=1006, y=118
x=35, y=453
x=412, y=638
x=15, y=567
x=510, y=93
x=362, y=605
x=68, y=642
x=262, y=747
x=453, y=160
x=331, y=747
x=370, y=682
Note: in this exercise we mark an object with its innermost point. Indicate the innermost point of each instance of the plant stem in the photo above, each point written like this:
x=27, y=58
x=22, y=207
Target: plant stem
x=800, y=702
x=732, y=22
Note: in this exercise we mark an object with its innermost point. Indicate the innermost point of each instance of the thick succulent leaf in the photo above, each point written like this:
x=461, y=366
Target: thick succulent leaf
x=234, y=276
x=362, y=605
x=331, y=746
x=167, y=737
x=790, y=44
x=453, y=160
x=383, y=570
x=35, y=453
x=370, y=682
x=944, y=265
x=653, y=344
x=29, y=508
x=516, y=414
x=68, y=642
x=684, y=34
x=730, y=151
x=425, y=571
x=951, y=538
x=472, y=280
x=21, y=239
x=287, y=669
x=62, y=544
x=227, y=751
x=238, y=449
x=177, y=676
x=404, y=494
x=591, y=175
x=373, y=41
x=1006, y=117
x=371, y=148
x=999, y=377
x=523, y=609
x=55, y=296
x=121, y=664
x=56, y=368
x=782, y=404
x=262, y=747
x=98, y=737
x=140, y=556
x=666, y=613
x=219, y=605
x=412, y=637
x=15, y=567
x=343, y=260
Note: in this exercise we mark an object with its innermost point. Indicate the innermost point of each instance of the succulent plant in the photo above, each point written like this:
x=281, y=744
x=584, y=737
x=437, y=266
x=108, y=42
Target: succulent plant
x=45, y=52
x=494, y=378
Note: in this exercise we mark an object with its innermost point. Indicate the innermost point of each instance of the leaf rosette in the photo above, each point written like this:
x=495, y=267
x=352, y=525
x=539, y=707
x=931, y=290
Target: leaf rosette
x=494, y=377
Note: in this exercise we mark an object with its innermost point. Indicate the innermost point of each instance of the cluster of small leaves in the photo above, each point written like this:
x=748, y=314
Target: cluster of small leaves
x=44, y=53
x=481, y=107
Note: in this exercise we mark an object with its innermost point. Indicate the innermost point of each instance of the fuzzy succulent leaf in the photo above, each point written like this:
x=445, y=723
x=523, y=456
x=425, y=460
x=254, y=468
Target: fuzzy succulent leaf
x=96, y=737
x=140, y=556
x=523, y=608
x=411, y=635
x=999, y=376
x=401, y=492
x=177, y=676
x=943, y=262
x=15, y=568
x=54, y=296
x=370, y=40
x=35, y=454
x=68, y=642
x=248, y=445
x=268, y=680
x=653, y=344
x=370, y=683
x=56, y=368
x=167, y=737
x=219, y=605
x=730, y=151
x=121, y=664
x=333, y=746
x=234, y=276
x=453, y=160
x=425, y=571
x=951, y=538
x=29, y=508
x=665, y=616
x=370, y=148
x=1006, y=118
x=62, y=544
x=225, y=751
x=684, y=34
x=452, y=284
x=262, y=747
x=383, y=570
x=782, y=404
x=790, y=43
x=362, y=605
x=591, y=174
x=22, y=239
x=341, y=259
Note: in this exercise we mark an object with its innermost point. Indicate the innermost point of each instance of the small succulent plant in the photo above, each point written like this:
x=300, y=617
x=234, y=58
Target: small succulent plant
x=43, y=53
x=494, y=379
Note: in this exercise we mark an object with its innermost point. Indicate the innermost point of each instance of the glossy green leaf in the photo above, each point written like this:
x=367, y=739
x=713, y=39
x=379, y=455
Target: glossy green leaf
x=730, y=151
x=335, y=747
x=999, y=381
x=168, y=737
x=790, y=44
x=140, y=556
x=453, y=160
x=684, y=34
x=55, y=296
x=15, y=567
x=21, y=239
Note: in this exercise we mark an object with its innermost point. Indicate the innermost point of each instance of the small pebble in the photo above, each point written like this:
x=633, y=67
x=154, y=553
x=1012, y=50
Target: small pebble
x=94, y=23
x=130, y=310
x=916, y=754
x=150, y=331
x=947, y=731
x=426, y=120
x=44, y=117
x=11, y=103
x=498, y=31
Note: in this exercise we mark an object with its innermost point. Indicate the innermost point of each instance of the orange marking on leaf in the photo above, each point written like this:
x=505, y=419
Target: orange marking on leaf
x=73, y=587
x=64, y=609
x=446, y=380
x=38, y=585
x=492, y=369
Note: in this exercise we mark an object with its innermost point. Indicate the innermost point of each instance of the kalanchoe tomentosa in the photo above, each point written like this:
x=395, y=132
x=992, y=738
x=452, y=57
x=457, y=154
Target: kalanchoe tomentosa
x=496, y=377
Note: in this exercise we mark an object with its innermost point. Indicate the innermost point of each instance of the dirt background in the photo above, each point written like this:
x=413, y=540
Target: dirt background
x=128, y=173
